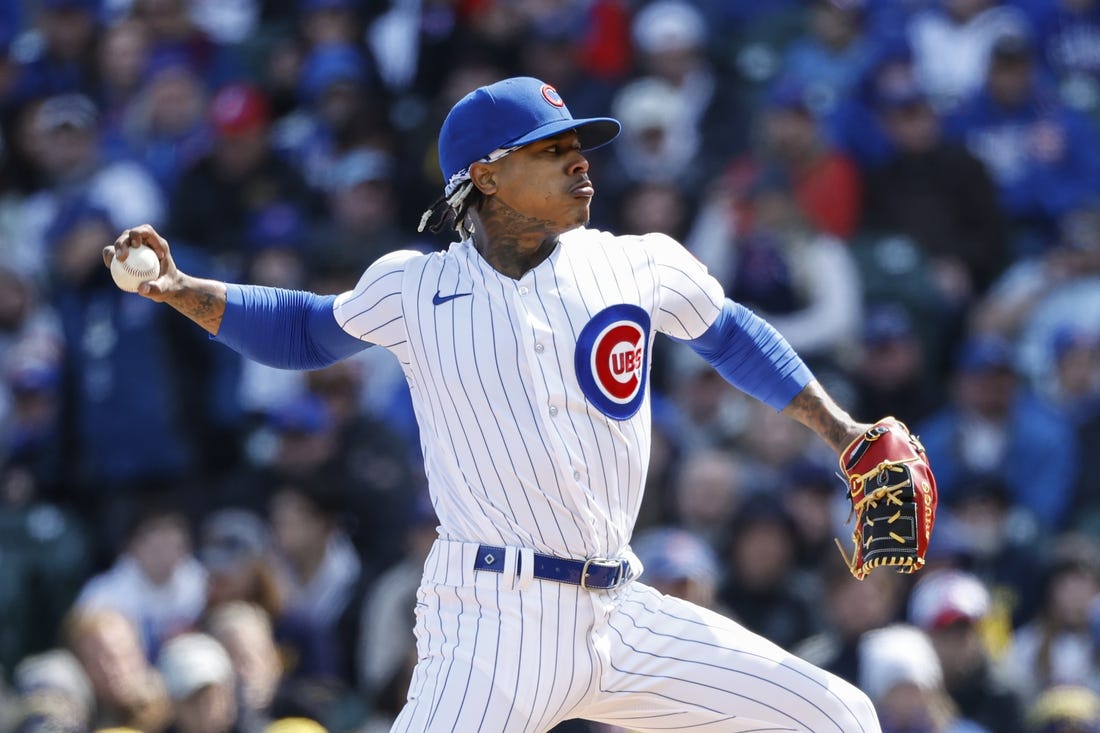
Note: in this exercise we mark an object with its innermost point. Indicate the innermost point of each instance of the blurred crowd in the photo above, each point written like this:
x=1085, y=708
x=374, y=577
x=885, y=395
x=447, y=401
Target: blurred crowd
x=909, y=190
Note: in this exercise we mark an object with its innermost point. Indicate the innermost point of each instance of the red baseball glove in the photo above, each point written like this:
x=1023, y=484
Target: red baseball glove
x=893, y=496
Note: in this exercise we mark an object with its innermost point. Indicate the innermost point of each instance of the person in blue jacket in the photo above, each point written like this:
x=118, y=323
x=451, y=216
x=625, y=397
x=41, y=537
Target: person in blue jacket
x=1043, y=156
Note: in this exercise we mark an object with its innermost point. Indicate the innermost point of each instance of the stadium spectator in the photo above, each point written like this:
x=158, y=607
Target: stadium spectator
x=245, y=631
x=377, y=462
x=128, y=691
x=671, y=40
x=1009, y=433
x=1043, y=156
x=706, y=491
x=156, y=582
x=761, y=587
x=939, y=194
x=339, y=111
x=831, y=56
x=122, y=62
x=361, y=188
x=329, y=22
x=45, y=552
x=660, y=145
x=235, y=549
x=109, y=335
x=951, y=41
x=52, y=690
x=66, y=136
x=173, y=33
x=825, y=182
x=850, y=609
x=895, y=372
x=63, y=61
x=199, y=678
x=1066, y=33
x=1064, y=709
x=1043, y=296
x=1057, y=647
x=678, y=563
x=902, y=676
x=320, y=576
x=951, y=606
x=215, y=197
x=166, y=127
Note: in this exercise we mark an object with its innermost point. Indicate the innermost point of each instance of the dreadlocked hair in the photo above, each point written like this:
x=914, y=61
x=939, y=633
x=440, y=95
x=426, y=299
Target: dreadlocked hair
x=449, y=212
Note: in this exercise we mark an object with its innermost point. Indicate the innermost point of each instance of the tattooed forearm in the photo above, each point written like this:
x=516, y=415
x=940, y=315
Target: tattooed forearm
x=203, y=301
x=816, y=410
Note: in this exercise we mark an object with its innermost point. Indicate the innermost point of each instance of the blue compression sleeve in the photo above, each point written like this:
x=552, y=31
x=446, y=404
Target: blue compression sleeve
x=752, y=356
x=287, y=329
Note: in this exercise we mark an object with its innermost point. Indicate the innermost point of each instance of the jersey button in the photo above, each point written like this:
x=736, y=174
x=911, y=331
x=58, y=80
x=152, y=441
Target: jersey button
x=553, y=411
x=523, y=290
x=576, y=475
x=539, y=348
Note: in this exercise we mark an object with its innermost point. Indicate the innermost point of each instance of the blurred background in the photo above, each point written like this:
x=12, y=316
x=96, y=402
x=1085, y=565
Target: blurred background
x=909, y=190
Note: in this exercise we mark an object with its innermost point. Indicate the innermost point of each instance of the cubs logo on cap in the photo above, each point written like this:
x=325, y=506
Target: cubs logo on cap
x=612, y=359
x=550, y=94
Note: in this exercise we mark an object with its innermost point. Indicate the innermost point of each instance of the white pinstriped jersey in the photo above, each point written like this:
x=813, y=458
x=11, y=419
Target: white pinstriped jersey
x=531, y=394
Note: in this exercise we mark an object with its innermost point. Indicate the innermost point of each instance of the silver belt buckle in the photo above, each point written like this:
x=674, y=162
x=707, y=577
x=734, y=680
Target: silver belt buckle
x=601, y=562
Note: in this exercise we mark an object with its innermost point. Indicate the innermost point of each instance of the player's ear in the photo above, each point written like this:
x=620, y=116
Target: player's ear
x=483, y=176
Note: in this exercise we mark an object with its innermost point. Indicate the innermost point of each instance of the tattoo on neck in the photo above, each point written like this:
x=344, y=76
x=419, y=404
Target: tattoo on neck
x=511, y=242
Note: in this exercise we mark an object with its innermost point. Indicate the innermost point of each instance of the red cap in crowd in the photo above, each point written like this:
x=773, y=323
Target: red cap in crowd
x=239, y=109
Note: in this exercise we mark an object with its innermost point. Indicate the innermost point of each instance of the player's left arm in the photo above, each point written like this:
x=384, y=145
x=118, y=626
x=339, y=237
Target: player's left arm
x=741, y=346
x=752, y=356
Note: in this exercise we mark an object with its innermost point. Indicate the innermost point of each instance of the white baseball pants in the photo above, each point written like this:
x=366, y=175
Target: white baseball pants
x=499, y=653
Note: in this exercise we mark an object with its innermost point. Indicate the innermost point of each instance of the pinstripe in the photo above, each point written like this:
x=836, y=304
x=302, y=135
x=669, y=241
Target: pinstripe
x=597, y=434
x=502, y=439
x=595, y=547
x=449, y=430
x=480, y=456
x=488, y=368
x=368, y=286
x=474, y=653
x=530, y=402
x=559, y=713
x=592, y=438
x=698, y=679
x=519, y=666
x=542, y=721
x=681, y=621
x=419, y=683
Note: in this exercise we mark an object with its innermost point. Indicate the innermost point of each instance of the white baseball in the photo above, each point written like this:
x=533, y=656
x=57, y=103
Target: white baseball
x=141, y=265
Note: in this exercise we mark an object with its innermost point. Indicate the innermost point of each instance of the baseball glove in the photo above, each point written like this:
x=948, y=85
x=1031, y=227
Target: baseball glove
x=893, y=496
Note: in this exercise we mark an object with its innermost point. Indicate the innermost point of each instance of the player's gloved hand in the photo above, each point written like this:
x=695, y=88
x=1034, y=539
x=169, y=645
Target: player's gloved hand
x=893, y=496
x=168, y=282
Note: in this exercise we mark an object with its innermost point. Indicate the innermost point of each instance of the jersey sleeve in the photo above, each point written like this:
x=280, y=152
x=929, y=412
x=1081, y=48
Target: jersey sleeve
x=372, y=311
x=689, y=298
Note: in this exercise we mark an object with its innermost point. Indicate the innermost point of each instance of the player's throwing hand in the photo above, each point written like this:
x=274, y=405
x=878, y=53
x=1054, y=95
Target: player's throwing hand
x=161, y=287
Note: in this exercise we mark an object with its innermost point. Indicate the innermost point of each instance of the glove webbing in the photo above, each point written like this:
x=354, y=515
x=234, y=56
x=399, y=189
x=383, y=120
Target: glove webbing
x=892, y=494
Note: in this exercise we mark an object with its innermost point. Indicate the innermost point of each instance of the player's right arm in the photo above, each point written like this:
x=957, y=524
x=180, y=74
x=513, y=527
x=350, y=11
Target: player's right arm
x=289, y=329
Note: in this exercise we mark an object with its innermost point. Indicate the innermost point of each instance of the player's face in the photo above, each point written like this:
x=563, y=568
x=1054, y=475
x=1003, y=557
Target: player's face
x=547, y=181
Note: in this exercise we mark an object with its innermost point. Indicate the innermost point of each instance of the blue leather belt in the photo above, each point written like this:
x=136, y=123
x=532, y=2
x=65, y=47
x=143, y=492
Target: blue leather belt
x=595, y=574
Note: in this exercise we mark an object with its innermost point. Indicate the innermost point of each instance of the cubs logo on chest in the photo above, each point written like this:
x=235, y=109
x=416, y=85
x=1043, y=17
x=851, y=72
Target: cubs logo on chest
x=611, y=360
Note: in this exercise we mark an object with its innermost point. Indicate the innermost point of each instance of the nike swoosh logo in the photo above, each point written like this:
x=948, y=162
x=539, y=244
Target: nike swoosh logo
x=438, y=299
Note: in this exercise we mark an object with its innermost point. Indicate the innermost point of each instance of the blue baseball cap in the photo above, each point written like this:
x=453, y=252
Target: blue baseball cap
x=511, y=113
